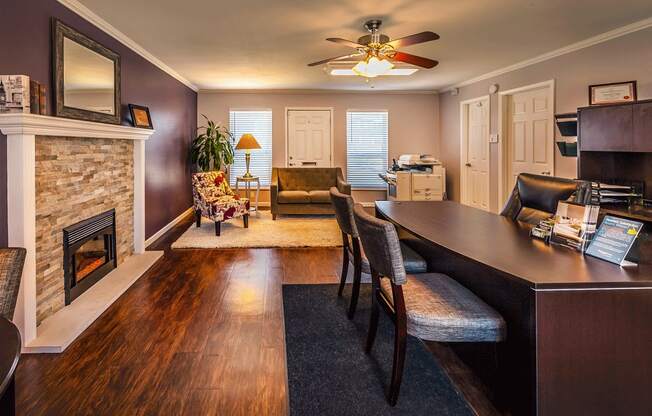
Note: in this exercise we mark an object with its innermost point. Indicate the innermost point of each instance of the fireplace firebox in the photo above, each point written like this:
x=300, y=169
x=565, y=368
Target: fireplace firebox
x=89, y=253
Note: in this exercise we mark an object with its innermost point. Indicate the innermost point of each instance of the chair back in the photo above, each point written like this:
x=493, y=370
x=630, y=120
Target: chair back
x=307, y=179
x=11, y=271
x=210, y=184
x=381, y=245
x=343, y=205
x=535, y=197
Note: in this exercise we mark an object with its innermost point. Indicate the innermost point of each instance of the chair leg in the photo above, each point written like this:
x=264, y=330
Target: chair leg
x=357, y=276
x=400, y=341
x=373, y=321
x=345, y=263
x=198, y=218
x=218, y=227
x=273, y=217
x=245, y=220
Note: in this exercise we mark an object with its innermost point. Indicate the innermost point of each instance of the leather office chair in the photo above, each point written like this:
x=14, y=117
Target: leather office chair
x=535, y=197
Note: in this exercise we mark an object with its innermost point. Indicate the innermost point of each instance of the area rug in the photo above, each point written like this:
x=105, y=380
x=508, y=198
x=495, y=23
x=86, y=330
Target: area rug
x=329, y=373
x=263, y=232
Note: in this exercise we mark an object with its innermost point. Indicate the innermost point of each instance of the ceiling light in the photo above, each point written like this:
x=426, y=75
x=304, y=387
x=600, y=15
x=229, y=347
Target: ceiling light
x=393, y=71
x=372, y=67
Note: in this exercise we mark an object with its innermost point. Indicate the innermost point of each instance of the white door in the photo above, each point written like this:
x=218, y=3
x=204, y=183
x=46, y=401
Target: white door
x=309, y=138
x=475, y=153
x=530, y=135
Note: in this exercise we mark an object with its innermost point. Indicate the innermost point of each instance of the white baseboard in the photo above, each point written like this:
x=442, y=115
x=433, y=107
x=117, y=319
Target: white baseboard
x=163, y=230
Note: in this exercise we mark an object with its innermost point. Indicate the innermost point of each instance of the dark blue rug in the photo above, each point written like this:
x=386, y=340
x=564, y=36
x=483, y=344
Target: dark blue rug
x=329, y=373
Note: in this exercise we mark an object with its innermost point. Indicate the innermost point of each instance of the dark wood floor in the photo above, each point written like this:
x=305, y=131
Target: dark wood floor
x=201, y=333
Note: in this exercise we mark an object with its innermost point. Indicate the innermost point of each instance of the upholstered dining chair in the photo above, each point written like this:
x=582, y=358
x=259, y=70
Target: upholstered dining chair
x=535, y=197
x=430, y=306
x=11, y=271
x=352, y=252
x=213, y=198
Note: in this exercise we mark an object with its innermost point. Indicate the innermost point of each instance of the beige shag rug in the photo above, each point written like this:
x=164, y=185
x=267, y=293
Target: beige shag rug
x=263, y=232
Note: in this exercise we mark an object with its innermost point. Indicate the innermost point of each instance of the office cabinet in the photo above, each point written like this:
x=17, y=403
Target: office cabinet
x=642, y=135
x=606, y=129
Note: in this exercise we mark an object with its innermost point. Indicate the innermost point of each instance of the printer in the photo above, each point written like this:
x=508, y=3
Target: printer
x=415, y=177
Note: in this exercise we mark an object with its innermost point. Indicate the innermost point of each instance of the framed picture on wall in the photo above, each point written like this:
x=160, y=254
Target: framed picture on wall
x=140, y=116
x=612, y=93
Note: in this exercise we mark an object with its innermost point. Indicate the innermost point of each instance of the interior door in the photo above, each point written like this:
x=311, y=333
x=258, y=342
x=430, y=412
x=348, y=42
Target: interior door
x=476, y=150
x=530, y=134
x=309, y=138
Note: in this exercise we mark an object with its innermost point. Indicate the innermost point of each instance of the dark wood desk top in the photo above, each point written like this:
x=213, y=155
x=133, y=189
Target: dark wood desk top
x=506, y=246
x=9, y=352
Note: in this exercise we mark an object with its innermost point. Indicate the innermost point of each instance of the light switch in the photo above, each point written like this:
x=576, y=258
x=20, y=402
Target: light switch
x=493, y=138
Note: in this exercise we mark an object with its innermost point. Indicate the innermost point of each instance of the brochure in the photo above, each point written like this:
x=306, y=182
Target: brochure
x=614, y=239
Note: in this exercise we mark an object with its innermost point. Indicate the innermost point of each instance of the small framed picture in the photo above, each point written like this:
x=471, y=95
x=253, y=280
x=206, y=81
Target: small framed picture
x=140, y=116
x=613, y=93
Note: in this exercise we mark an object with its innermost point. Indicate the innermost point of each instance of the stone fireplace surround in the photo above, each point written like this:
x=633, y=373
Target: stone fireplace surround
x=70, y=148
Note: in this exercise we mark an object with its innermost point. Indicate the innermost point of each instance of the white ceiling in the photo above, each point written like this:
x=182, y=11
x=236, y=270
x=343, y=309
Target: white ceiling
x=266, y=44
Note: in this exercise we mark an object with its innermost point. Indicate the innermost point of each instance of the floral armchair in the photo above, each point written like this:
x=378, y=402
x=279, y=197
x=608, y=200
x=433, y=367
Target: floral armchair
x=214, y=199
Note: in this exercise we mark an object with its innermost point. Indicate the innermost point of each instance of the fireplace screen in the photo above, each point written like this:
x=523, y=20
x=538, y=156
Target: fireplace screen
x=89, y=253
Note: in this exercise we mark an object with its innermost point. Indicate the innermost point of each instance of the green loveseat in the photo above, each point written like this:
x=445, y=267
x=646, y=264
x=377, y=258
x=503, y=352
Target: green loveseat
x=305, y=190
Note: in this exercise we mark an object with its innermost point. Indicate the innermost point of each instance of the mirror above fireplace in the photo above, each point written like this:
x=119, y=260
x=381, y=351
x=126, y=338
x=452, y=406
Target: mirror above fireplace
x=87, y=77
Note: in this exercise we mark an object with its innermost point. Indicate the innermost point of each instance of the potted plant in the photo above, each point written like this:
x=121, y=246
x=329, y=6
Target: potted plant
x=212, y=149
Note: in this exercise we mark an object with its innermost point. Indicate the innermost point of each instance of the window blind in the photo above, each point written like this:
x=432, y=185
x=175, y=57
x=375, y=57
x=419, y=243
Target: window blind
x=258, y=123
x=366, y=148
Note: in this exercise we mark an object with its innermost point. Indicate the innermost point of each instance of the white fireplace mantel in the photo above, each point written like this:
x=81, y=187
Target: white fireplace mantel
x=21, y=131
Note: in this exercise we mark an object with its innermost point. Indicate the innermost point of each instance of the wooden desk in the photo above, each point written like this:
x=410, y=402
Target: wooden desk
x=9, y=355
x=579, y=336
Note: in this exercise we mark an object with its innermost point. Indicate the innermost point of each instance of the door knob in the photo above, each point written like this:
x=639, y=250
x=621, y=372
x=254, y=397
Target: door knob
x=468, y=165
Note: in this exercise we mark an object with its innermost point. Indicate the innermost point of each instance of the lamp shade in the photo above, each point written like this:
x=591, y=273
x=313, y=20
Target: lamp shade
x=247, y=142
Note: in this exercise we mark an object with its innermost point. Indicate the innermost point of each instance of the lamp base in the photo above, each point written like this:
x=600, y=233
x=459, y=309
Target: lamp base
x=247, y=161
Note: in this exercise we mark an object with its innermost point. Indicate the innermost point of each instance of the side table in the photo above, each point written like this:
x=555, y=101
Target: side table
x=248, y=181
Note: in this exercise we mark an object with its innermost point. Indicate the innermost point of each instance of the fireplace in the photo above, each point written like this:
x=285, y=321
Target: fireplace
x=89, y=253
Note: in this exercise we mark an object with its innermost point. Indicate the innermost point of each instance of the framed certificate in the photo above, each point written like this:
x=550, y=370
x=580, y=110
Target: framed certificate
x=618, y=92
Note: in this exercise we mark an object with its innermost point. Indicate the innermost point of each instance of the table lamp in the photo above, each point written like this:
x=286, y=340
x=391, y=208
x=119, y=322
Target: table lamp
x=246, y=143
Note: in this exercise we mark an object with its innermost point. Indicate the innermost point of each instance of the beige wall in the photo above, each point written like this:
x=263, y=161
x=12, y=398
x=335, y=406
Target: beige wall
x=622, y=59
x=413, y=119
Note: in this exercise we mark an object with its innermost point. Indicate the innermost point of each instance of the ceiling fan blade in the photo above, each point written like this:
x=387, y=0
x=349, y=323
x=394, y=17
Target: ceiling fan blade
x=346, y=42
x=413, y=39
x=337, y=58
x=415, y=60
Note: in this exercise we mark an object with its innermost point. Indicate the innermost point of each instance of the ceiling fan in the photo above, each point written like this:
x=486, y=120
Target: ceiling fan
x=379, y=53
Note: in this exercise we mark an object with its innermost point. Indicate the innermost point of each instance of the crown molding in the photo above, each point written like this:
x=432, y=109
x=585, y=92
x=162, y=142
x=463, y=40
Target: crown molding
x=316, y=91
x=586, y=43
x=86, y=13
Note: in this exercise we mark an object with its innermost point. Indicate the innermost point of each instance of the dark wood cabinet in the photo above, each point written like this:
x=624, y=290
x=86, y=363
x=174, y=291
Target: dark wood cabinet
x=606, y=129
x=616, y=128
x=642, y=135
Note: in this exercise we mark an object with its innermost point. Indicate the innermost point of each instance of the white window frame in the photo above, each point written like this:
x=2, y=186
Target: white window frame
x=346, y=127
x=232, y=175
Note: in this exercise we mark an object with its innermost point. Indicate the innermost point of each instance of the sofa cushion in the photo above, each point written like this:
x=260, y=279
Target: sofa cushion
x=320, y=197
x=306, y=179
x=293, y=197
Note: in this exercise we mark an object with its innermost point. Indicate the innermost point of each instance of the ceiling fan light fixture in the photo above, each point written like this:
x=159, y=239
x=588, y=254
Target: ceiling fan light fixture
x=372, y=67
x=391, y=72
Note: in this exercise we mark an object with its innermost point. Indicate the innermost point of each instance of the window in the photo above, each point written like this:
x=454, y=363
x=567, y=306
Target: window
x=366, y=148
x=258, y=123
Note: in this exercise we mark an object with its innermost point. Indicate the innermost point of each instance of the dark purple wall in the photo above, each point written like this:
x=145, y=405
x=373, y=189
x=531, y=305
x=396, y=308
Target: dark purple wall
x=25, y=49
